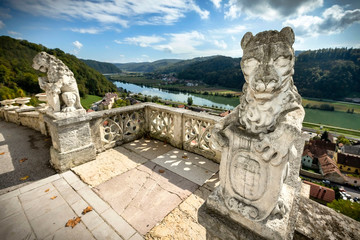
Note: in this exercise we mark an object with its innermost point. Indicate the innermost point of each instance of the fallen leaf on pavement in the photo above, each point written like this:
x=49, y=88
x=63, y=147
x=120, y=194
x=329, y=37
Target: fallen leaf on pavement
x=72, y=222
x=185, y=157
x=161, y=171
x=2, y=153
x=47, y=190
x=23, y=159
x=86, y=210
x=24, y=178
x=52, y=198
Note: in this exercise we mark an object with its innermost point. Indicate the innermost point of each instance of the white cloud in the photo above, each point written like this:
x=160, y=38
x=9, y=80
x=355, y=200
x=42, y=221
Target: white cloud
x=87, y=30
x=269, y=9
x=4, y=13
x=142, y=41
x=235, y=29
x=217, y=3
x=182, y=43
x=220, y=44
x=78, y=45
x=2, y=24
x=122, y=12
x=14, y=34
x=333, y=20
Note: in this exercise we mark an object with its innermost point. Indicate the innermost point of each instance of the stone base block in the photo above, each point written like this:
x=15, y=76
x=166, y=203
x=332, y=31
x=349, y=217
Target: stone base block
x=64, y=161
x=221, y=223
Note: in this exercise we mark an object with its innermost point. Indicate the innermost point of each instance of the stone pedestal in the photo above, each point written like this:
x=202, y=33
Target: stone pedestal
x=261, y=144
x=220, y=223
x=71, y=139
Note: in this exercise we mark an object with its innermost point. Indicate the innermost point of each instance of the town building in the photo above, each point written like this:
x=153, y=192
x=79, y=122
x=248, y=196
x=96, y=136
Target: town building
x=321, y=192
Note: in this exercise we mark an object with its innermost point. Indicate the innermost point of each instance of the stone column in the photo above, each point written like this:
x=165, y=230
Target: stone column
x=71, y=139
x=261, y=145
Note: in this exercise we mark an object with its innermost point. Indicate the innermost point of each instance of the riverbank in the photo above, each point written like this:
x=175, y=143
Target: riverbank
x=181, y=86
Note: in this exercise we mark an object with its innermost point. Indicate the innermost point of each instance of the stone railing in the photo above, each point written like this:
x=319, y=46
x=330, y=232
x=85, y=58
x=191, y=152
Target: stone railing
x=27, y=116
x=114, y=127
x=181, y=128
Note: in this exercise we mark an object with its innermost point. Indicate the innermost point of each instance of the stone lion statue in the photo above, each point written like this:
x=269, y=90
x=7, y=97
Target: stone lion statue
x=59, y=84
x=258, y=137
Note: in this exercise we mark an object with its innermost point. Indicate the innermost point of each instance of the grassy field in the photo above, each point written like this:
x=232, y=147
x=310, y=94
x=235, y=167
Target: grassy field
x=88, y=100
x=338, y=106
x=332, y=118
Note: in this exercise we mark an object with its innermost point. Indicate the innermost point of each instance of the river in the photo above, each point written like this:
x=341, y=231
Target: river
x=332, y=118
x=198, y=99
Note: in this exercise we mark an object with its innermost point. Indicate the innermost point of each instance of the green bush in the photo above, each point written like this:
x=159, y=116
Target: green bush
x=347, y=208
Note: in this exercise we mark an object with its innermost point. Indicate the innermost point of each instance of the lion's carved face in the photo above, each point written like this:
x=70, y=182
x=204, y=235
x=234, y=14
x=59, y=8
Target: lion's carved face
x=41, y=62
x=269, y=69
x=268, y=66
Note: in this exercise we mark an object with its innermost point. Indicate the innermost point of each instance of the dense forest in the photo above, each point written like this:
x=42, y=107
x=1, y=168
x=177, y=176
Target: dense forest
x=146, y=66
x=222, y=71
x=325, y=73
x=328, y=73
x=18, y=78
x=102, y=67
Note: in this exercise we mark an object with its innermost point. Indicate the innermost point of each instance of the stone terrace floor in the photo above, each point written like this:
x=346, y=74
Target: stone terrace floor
x=143, y=189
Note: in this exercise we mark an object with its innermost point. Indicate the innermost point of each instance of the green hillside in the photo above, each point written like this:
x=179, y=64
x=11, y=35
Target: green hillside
x=102, y=67
x=18, y=78
x=325, y=73
x=146, y=66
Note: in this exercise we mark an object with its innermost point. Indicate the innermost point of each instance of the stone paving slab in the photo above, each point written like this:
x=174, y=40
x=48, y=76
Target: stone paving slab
x=148, y=148
x=145, y=195
x=188, y=165
x=40, y=211
x=182, y=222
x=107, y=165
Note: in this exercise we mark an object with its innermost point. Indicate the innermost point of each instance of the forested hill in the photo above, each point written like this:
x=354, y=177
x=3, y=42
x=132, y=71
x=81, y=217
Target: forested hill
x=328, y=73
x=325, y=73
x=17, y=77
x=146, y=66
x=102, y=67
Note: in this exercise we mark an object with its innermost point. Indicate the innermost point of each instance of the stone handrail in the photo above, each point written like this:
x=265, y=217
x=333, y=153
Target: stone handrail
x=181, y=128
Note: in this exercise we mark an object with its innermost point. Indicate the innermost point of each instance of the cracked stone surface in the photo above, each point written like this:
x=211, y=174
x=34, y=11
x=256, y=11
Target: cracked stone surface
x=107, y=165
x=182, y=222
x=147, y=148
x=146, y=201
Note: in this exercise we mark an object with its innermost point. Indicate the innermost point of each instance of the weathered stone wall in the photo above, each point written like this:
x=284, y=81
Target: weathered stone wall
x=30, y=119
x=316, y=221
x=310, y=174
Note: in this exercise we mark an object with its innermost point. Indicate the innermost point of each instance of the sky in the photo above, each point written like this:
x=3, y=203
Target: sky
x=120, y=31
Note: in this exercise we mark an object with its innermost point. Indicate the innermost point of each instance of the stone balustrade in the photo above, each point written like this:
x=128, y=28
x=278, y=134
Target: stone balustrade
x=181, y=128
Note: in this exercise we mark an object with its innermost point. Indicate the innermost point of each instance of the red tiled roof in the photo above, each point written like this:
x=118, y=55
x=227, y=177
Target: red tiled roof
x=328, y=165
x=225, y=113
x=348, y=160
x=320, y=192
x=307, y=152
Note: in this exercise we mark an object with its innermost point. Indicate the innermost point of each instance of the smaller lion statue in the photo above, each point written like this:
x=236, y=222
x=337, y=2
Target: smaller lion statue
x=59, y=84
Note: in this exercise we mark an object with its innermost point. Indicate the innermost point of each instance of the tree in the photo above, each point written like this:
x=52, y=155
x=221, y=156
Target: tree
x=190, y=101
x=342, y=139
x=325, y=136
x=346, y=207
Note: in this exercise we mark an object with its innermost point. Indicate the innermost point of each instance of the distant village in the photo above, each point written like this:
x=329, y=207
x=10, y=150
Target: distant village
x=328, y=160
